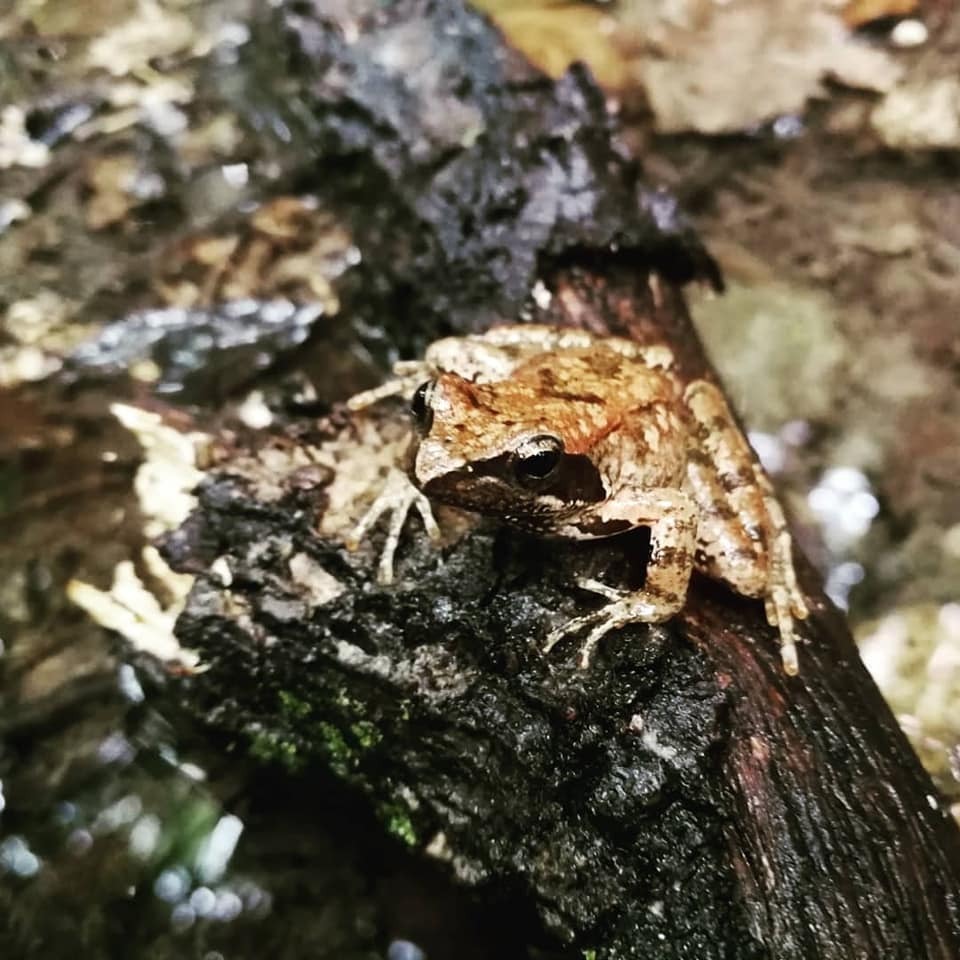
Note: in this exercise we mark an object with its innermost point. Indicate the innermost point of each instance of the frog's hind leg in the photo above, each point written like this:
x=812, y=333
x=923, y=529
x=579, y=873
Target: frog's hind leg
x=743, y=537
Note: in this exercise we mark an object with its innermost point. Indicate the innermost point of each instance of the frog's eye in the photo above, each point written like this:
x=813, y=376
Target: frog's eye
x=420, y=406
x=537, y=458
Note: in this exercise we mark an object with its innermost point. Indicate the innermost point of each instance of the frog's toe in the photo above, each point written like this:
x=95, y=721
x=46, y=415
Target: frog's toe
x=798, y=604
x=426, y=515
x=602, y=625
x=570, y=627
x=770, y=609
x=788, y=656
x=601, y=588
x=385, y=571
x=593, y=641
x=362, y=527
x=780, y=606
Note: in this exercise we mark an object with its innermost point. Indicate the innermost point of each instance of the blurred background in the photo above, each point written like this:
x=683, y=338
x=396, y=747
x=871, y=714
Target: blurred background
x=146, y=179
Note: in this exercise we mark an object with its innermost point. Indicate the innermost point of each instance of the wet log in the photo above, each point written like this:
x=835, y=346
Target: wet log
x=683, y=797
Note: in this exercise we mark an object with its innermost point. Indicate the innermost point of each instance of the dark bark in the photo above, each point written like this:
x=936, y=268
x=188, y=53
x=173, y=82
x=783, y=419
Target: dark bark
x=683, y=798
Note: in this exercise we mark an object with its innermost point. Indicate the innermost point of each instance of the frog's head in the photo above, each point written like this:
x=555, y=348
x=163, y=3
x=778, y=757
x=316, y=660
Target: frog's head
x=504, y=450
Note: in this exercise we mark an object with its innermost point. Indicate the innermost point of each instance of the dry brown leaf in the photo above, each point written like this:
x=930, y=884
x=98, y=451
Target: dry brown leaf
x=724, y=69
x=110, y=180
x=703, y=65
x=554, y=35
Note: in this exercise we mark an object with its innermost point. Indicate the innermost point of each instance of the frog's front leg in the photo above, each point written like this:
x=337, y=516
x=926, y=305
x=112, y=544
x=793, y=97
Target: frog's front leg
x=408, y=375
x=397, y=498
x=671, y=516
x=743, y=537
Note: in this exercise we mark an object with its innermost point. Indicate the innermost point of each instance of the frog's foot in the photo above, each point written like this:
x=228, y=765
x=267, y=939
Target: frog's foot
x=623, y=609
x=784, y=601
x=398, y=497
x=409, y=374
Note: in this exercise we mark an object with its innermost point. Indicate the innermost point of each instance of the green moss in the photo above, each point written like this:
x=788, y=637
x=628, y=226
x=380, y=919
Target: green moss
x=397, y=820
x=366, y=734
x=272, y=747
x=348, y=704
x=340, y=743
x=293, y=707
x=336, y=749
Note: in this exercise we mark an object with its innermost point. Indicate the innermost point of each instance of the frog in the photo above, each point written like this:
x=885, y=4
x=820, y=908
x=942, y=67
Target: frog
x=576, y=435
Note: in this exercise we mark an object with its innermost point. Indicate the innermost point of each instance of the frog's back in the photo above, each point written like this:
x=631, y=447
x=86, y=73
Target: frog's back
x=597, y=374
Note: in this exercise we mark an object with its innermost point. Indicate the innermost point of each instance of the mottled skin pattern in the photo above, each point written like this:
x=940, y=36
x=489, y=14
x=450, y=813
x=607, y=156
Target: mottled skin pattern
x=573, y=435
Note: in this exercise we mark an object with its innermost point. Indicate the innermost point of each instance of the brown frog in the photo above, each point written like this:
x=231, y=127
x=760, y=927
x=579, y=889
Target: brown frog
x=573, y=435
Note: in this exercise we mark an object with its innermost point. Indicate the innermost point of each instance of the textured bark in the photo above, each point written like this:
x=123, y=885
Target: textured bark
x=683, y=798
